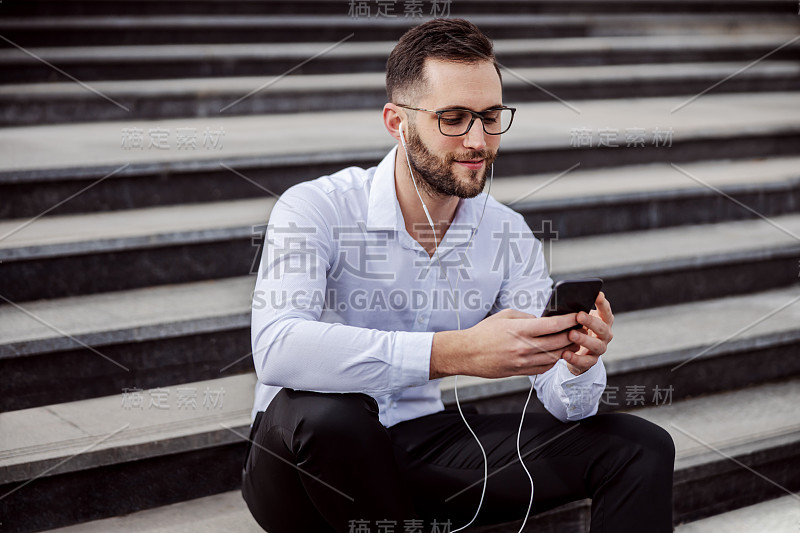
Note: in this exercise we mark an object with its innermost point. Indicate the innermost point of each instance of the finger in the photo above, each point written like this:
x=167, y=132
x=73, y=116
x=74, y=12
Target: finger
x=596, y=324
x=604, y=308
x=583, y=362
x=551, y=345
x=595, y=345
x=547, y=325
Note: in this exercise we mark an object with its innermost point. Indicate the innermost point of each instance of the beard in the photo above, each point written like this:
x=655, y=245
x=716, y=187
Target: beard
x=437, y=174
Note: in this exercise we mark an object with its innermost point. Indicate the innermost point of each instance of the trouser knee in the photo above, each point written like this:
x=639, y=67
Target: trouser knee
x=638, y=441
x=319, y=418
x=303, y=438
x=655, y=449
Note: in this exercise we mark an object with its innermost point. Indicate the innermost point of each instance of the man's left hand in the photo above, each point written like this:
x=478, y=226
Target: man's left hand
x=593, y=337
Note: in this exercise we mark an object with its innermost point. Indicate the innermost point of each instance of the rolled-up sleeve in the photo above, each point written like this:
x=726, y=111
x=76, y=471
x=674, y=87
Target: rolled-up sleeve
x=296, y=342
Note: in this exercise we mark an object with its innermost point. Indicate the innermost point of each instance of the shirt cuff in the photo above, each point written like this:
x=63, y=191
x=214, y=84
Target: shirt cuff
x=595, y=373
x=411, y=361
x=582, y=392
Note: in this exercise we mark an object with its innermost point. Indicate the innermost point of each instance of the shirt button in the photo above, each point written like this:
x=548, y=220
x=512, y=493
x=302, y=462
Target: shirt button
x=421, y=320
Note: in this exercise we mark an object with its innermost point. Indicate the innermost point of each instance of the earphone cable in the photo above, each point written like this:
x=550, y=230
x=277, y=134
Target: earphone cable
x=458, y=324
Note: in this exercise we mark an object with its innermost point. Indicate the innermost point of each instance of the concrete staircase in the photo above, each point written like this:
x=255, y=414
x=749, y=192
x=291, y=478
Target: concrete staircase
x=126, y=267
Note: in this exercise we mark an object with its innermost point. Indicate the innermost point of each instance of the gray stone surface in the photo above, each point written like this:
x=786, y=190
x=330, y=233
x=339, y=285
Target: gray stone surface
x=301, y=51
x=665, y=248
x=646, y=181
x=325, y=84
x=221, y=512
x=674, y=335
x=321, y=21
x=228, y=512
x=600, y=255
x=547, y=124
x=781, y=515
x=69, y=234
x=88, y=433
x=126, y=316
x=155, y=226
x=724, y=421
x=731, y=422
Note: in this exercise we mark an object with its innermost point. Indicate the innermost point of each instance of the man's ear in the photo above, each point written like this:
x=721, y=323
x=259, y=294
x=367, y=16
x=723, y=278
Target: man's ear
x=393, y=116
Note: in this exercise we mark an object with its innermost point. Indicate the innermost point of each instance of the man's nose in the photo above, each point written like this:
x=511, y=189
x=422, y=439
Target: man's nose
x=475, y=138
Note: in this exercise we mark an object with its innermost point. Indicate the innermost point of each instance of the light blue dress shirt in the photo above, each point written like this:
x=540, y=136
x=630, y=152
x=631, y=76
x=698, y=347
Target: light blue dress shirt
x=347, y=301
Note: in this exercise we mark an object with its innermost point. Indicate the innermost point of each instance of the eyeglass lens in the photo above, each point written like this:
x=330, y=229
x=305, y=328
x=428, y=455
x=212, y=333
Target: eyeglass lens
x=456, y=122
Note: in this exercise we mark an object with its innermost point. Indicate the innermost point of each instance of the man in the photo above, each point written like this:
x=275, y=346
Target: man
x=375, y=283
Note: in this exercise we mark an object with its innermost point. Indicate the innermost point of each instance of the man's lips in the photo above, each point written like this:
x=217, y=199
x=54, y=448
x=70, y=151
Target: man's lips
x=472, y=164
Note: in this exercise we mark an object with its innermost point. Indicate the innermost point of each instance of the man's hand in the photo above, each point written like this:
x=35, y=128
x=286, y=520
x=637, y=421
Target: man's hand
x=509, y=343
x=593, y=337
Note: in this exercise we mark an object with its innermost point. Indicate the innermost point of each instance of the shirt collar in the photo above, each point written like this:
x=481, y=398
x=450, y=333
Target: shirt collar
x=384, y=210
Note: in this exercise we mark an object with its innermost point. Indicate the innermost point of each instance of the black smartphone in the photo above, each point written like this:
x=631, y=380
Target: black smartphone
x=573, y=296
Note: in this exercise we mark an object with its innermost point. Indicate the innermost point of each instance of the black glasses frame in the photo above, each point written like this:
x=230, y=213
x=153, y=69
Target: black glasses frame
x=475, y=114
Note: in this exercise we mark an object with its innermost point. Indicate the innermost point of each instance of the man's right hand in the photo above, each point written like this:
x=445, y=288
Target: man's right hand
x=509, y=343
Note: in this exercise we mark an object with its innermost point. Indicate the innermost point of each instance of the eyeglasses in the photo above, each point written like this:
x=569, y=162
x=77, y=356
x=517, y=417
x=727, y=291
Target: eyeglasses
x=457, y=122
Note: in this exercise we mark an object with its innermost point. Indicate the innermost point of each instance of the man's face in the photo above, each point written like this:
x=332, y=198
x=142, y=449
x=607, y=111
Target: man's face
x=454, y=166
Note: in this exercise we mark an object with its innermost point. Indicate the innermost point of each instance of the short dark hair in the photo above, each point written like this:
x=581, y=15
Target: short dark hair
x=445, y=39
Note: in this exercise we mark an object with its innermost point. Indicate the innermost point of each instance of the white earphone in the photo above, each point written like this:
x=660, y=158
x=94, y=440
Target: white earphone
x=458, y=321
x=424, y=207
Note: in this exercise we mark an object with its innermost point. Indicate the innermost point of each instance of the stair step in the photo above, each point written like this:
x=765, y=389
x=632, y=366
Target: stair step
x=199, y=330
x=43, y=166
x=719, y=465
x=96, y=345
x=64, y=102
x=676, y=265
x=148, y=61
x=142, y=457
x=196, y=29
x=759, y=427
x=137, y=248
x=658, y=195
x=780, y=515
x=603, y=193
x=221, y=512
x=334, y=7
x=84, y=254
x=738, y=349
x=228, y=511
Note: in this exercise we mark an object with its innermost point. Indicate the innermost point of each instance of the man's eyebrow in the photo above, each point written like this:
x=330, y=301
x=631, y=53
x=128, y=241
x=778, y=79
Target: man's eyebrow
x=451, y=107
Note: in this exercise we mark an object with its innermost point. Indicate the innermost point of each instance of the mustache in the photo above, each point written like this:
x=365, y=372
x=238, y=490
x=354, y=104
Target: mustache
x=488, y=155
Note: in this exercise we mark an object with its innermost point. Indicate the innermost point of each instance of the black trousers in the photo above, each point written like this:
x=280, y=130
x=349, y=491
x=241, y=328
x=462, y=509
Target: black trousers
x=323, y=462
